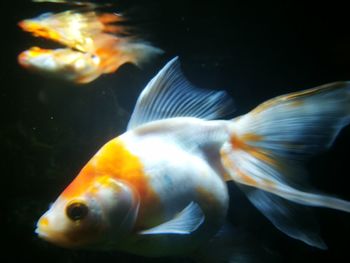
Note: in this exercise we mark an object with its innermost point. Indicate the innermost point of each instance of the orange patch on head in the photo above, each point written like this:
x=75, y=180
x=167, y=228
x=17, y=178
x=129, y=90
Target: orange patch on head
x=115, y=161
x=79, y=185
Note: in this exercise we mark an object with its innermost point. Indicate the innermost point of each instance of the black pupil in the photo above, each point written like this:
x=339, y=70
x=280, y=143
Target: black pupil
x=77, y=211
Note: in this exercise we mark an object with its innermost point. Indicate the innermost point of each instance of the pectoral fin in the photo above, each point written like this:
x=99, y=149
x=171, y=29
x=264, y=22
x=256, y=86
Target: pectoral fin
x=186, y=222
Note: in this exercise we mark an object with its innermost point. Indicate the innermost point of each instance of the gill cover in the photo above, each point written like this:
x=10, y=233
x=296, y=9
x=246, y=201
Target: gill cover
x=99, y=217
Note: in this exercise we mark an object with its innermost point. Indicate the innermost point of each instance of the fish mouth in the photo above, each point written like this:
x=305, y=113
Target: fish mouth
x=41, y=233
x=42, y=228
x=43, y=42
x=42, y=45
x=43, y=38
x=50, y=235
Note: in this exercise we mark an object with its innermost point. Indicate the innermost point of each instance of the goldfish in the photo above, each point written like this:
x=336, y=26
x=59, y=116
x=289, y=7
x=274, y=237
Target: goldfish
x=94, y=42
x=160, y=188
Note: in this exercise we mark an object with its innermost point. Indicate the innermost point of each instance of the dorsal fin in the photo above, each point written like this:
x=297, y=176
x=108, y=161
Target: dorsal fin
x=169, y=94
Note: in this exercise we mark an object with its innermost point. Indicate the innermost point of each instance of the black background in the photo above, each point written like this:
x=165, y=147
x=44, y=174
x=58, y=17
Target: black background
x=253, y=49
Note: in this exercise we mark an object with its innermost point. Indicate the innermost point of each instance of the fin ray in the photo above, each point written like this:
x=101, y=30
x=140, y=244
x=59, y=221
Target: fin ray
x=292, y=219
x=267, y=143
x=169, y=94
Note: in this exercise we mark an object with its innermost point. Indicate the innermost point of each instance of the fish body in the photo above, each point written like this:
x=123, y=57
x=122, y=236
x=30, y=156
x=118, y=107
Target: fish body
x=91, y=39
x=160, y=189
x=166, y=160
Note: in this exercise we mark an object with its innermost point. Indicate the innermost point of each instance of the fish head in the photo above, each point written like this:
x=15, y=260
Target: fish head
x=40, y=28
x=71, y=29
x=64, y=63
x=97, y=214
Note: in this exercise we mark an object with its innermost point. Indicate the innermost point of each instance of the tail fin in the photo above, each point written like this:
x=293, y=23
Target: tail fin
x=114, y=52
x=139, y=52
x=267, y=144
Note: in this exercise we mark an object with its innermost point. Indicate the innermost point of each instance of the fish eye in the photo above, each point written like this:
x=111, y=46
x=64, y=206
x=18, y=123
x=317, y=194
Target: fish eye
x=77, y=211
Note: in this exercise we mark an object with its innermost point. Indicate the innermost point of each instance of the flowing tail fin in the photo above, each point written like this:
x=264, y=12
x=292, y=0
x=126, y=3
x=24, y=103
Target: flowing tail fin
x=114, y=52
x=267, y=144
x=140, y=52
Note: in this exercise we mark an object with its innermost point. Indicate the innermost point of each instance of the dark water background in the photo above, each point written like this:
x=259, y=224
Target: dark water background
x=253, y=49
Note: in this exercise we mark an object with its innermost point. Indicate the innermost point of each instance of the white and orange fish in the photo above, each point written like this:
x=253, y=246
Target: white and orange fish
x=160, y=188
x=94, y=45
